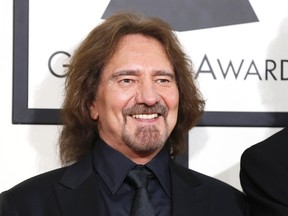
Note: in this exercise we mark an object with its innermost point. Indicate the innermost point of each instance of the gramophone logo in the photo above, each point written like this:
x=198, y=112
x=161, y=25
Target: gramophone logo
x=185, y=15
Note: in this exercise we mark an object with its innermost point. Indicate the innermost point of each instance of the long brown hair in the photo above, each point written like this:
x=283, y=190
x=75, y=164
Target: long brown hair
x=84, y=72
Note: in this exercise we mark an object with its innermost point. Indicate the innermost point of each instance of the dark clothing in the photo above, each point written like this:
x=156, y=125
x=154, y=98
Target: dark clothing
x=264, y=175
x=78, y=190
x=117, y=192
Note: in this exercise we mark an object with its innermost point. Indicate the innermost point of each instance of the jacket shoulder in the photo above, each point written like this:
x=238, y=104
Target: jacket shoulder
x=272, y=150
x=195, y=178
x=30, y=194
x=37, y=184
x=223, y=199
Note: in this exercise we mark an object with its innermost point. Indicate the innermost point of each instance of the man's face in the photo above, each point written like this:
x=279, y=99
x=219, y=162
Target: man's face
x=136, y=104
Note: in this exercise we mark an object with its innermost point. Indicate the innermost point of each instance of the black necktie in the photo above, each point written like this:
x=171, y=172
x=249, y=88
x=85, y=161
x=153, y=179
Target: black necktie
x=141, y=205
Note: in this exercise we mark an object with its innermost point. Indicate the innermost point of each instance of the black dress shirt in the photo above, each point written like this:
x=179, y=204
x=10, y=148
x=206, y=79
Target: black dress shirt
x=111, y=169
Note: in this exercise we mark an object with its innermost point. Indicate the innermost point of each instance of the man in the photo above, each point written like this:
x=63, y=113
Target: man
x=130, y=100
x=264, y=175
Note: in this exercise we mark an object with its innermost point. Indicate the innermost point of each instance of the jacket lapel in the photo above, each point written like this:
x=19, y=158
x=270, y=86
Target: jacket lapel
x=77, y=191
x=187, y=194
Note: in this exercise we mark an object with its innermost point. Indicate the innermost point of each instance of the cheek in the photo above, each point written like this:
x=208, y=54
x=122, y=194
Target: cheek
x=172, y=99
x=118, y=95
x=116, y=100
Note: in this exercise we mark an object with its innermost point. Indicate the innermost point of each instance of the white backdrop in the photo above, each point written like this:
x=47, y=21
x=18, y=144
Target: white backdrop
x=27, y=150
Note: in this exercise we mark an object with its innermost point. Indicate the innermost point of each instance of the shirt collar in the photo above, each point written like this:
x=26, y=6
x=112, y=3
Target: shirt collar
x=159, y=165
x=107, y=162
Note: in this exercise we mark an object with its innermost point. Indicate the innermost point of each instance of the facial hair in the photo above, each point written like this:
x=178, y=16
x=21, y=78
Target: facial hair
x=145, y=139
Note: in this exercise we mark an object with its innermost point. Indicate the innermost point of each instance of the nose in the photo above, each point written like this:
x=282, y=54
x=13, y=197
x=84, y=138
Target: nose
x=147, y=94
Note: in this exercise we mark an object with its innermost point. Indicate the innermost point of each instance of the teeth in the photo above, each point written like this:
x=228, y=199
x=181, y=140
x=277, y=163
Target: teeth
x=145, y=116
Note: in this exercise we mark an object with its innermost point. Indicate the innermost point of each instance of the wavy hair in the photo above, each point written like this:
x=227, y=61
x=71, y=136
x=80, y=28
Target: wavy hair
x=83, y=77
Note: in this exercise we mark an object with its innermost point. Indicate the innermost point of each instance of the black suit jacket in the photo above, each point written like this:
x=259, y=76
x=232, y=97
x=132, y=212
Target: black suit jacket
x=72, y=191
x=264, y=175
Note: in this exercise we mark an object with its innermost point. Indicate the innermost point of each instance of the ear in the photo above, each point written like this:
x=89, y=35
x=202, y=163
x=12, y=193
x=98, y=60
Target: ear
x=94, y=113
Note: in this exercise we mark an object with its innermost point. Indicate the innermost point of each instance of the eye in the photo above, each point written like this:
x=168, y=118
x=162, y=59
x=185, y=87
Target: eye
x=163, y=81
x=125, y=80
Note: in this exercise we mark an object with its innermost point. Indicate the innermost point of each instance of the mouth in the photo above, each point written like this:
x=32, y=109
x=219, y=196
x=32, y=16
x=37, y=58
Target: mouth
x=145, y=113
x=145, y=116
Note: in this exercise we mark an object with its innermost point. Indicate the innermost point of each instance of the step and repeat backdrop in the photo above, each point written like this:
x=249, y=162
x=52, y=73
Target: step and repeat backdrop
x=238, y=49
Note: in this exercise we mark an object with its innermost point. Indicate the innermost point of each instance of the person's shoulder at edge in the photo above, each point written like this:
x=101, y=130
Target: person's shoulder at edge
x=273, y=146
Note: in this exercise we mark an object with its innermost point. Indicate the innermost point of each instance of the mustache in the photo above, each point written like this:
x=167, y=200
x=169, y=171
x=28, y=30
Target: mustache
x=144, y=109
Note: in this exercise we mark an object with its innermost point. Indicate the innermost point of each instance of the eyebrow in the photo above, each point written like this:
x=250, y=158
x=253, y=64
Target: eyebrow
x=165, y=73
x=136, y=72
x=125, y=72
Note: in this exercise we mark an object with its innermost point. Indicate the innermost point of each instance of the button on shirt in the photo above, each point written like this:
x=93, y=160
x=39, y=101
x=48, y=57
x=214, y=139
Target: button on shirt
x=111, y=169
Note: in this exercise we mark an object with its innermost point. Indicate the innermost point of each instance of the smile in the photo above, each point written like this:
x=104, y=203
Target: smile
x=145, y=116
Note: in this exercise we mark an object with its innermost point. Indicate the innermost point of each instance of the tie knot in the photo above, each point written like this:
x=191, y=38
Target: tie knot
x=138, y=177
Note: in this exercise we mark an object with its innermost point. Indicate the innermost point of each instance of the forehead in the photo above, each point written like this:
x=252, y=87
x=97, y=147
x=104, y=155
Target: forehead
x=138, y=46
x=137, y=52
